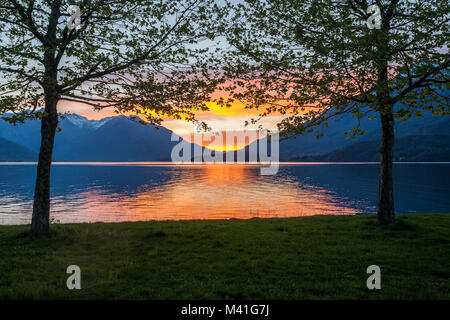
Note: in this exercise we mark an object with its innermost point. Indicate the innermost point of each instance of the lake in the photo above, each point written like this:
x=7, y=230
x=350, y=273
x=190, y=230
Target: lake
x=113, y=192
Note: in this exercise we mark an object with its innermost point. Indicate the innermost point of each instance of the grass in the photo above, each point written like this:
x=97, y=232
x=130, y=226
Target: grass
x=321, y=257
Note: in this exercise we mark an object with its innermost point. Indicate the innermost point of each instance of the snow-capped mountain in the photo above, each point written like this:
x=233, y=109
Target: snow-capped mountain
x=116, y=138
x=85, y=123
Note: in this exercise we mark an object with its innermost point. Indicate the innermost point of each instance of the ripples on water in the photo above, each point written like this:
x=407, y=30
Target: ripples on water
x=133, y=192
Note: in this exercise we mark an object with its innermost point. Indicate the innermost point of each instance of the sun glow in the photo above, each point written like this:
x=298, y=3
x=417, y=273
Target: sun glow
x=229, y=120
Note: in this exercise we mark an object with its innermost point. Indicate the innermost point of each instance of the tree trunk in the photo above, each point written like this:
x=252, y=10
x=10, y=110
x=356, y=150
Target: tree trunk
x=386, y=210
x=40, y=223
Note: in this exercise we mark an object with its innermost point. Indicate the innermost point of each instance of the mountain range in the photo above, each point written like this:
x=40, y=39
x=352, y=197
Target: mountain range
x=425, y=148
x=10, y=151
x=121, y=138
x=116, y=138
x=334, y=139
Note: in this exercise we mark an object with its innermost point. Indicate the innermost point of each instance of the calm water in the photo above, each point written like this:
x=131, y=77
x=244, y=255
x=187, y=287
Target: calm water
x=131, y=192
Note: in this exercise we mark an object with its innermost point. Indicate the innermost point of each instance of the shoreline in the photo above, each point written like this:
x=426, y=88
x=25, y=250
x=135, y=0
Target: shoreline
x=169, y=163
x=222, y=219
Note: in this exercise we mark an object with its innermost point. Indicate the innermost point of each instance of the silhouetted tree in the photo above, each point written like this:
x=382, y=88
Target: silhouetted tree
x=136, y=56
x=314, y=60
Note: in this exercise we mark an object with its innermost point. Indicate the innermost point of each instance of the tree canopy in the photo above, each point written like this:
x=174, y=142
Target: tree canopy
x=142, y=56
x=313, y=60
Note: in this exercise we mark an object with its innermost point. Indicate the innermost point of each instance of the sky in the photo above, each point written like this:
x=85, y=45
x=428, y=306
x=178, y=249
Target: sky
x=218, y=118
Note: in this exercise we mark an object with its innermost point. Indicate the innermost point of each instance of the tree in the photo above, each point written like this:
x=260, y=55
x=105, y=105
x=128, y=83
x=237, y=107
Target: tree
x=136, y=56
x=314, y=60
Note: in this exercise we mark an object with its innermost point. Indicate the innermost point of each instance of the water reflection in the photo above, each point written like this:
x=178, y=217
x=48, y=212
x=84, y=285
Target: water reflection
x=146, y=191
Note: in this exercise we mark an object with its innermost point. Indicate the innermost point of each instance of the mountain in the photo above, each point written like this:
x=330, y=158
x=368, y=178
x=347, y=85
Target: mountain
x=27, y=134
x=116, y=138
x=75, y=128
x=10, y=151
x=410, y=148
x=334, y=137
x=121, y=139
x=85, y=123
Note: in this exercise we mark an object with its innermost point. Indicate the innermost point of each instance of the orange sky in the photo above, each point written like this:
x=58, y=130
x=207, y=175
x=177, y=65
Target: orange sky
x=218, y=118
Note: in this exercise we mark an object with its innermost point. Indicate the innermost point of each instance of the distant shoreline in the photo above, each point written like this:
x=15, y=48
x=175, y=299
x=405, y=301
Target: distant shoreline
x=168, y=163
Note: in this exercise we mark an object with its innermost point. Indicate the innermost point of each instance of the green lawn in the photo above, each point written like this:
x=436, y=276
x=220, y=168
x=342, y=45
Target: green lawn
x=321, y=257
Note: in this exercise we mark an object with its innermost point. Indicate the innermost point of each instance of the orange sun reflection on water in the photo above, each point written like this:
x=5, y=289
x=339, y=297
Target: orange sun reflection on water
x=212, y=191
